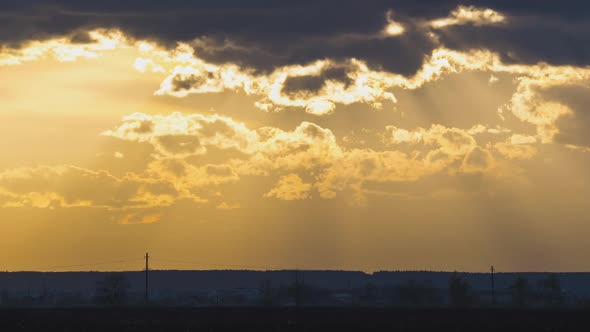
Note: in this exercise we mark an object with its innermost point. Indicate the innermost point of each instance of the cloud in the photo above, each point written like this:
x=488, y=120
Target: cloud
x=133, y=198
x=334, y=74
x=290, y=187
x=260, y=35
x=180, y=136
x=463, y=15
x=315, y=87
x=516, y=151
x=64, y=49
x=572, y=127
x=386, y=35
x=188, y=178
x=522, y=139
x=311, y=84
x=307, y=148
x=139, y=218
x=464, y=122
x=477, y=160
x=355, y=65
x=525, y=38
x=356, y=166
x=528, y=105
x=310, y=149
x=517, y=146
x=393, y=28
x=71, y=186
x=181, y=169
x=318, y=87
x=450, y=141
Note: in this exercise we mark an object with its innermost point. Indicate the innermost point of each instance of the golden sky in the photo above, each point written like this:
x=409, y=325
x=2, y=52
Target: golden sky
x=121, y=143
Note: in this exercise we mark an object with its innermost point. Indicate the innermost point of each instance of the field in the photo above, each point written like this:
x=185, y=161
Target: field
x=291, y=319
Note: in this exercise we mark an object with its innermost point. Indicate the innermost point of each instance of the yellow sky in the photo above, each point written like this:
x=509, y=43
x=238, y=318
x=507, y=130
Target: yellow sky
x=134, y=148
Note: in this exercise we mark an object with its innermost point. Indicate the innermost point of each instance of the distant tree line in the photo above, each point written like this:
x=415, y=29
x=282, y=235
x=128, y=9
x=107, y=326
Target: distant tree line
x=114, y=290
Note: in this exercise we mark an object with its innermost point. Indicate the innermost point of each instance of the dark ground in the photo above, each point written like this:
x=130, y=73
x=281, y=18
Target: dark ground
x=291, y=319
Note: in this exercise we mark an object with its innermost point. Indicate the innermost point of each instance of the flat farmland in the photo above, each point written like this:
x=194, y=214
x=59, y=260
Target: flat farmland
x=290, y=319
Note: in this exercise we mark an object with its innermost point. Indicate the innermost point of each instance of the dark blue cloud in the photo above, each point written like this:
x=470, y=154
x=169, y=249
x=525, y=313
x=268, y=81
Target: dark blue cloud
x=263, y=34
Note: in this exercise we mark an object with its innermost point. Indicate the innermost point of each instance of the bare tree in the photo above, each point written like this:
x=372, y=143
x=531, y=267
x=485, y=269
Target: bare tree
x=550, y=290
x=521, y=292
x=460, y=292
x=268, y=293
x=112, y=290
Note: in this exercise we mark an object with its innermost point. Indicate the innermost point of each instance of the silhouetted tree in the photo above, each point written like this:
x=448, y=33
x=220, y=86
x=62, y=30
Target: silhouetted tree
x=550, y=290
x=370, y=292
x=112, y=290
x=415, y=293
x=521, y=292
x=268, y=294
x=460, y=292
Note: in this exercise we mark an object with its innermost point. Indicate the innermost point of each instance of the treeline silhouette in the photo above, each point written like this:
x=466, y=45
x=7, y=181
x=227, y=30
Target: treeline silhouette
x=114, y=290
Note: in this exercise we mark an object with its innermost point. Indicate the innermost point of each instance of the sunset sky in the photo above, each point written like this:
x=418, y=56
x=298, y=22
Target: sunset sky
x=377, y=135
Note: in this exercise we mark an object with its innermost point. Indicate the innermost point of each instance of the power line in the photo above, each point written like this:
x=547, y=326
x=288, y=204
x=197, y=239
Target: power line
x=157, y=259
x=47, y=268
x=240, y=266
x=219, y=264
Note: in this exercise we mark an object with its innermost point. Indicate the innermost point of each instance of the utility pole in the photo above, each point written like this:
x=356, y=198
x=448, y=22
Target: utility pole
x=147, y=268
x=493, y=289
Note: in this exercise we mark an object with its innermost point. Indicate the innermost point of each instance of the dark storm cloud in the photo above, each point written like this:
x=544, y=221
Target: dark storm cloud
x=555, y=32
x=567, y=9
x=312, y=84
x=527, y=40
x=184, y=20
x=264, y=34
x=265, y=51
x=261, y=34
x=294, y=85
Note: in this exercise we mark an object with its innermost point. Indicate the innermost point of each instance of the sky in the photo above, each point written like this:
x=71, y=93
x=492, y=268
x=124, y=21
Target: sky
x=387, y=135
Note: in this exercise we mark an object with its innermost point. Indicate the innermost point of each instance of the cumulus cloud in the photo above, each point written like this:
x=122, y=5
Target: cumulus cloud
x=516, y=151
x=179, y=135
x=517, y=146
x=311, y=149
x=450, y=141
x=318, y=84
x=71, y=186
x=307, y=148
x=318, y=87
x=522, y=139
x=477, y=160
x=393, y=28
x=290, y=187
x=469, y=15
x=314, y=66
x=63, y=48
x=315, y=87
